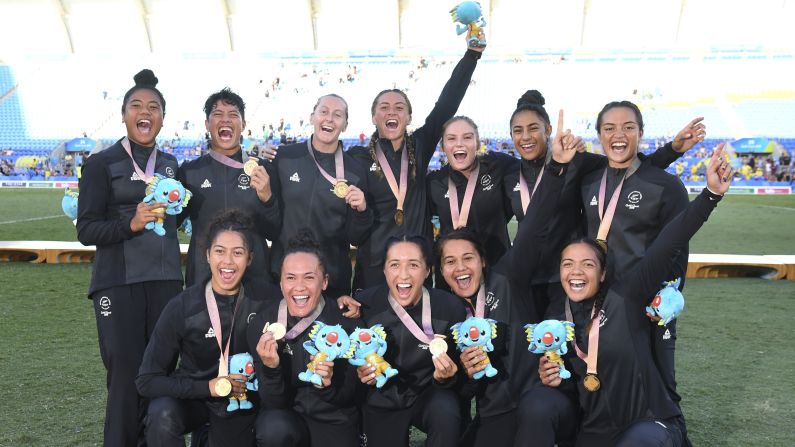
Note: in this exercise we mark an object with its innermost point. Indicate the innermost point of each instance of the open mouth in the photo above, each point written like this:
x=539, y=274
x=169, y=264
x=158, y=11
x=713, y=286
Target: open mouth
x=144, y=126
x=619, y=147
x=300, y=300
x=327, y=129
x=227, y=274
x=463, y=281
x=225, y=133
x=528, y=147
x=404, y=290
x=391, y=124
x=577, y=285
x=460, y=155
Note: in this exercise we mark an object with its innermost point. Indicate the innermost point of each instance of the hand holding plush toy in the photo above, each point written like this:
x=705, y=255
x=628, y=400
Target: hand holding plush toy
x=69, y=203
x=549, y=337
x=668, y=303
x=242, y=364
x=476, y=331
x=469, y=17
x=326, y=343
x=369, y=347
x=170, y=193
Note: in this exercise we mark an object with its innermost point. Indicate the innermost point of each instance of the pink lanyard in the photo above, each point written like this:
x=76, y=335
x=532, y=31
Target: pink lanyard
x=303, y=323
x=425, y=334
x=215, y=321
x=150, y=163
x=398, y=192
x=593, y=340
x=480, y=303
x=223, y=159
x=606, y=216
x=339, y=166
x=524, y=193
x=460, y=220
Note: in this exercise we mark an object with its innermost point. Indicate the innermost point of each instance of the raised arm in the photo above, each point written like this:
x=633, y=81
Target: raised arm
x=646, y=277
x=693, y=133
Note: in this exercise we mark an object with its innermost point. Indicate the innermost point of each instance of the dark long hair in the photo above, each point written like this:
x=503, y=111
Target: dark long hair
x=460, y=234
x=406, y=137
x=600, y=250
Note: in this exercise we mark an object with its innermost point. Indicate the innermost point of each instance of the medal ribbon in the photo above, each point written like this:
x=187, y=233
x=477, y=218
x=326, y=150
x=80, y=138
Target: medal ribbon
x=425, y=334
x=224, y=160
x=593, y=340
x=303, y=323
x=524, y=194
x=606, y=216
x=460, y=220
x=480, y=303
x=399, y=192
x=215, y=321
x=339, y=167
x=150, y=163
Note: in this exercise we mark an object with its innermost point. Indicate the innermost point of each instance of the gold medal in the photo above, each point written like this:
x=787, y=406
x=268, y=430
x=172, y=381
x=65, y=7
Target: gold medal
x=399, y=217
x=341, y=189
x=250, y=165
x=591, y=382
x=223, y=387
x=277, y=329
x=437, y=346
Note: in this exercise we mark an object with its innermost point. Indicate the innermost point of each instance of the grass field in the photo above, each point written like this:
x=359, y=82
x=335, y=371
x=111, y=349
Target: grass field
x=736, y=372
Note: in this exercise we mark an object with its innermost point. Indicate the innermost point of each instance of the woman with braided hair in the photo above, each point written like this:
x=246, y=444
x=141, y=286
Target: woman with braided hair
x=396, y=164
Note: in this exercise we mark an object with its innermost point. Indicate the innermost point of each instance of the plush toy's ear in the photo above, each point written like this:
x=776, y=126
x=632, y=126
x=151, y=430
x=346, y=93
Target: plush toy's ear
x=454, y=329
x=188, y=196
x=378, y=329
x=569, y=330
x=318, y=326
x=493, y=325
x=528, y=329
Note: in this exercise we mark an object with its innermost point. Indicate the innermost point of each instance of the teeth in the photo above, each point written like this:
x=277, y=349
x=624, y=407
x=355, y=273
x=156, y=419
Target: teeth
x=391, y=122
x=144, y=122
x=528, y=146
x=576, y=284
x=404, y=286
x=300, y=298
x=326, y=128
x=227, y=271
x=462, y=277
x=619, y=145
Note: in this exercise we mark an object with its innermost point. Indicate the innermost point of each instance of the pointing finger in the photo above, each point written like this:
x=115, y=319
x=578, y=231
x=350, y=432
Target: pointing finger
x=560, y=121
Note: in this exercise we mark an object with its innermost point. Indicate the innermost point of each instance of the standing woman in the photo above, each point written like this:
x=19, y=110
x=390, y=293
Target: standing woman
x=397, y=164
x=622, y=394
x=226, y=178
x=135, y=271
x=501, y=291
x=530, y=132
x=421, y=394
x=320, y=187
x=203, y=327
x=468, y=191
x=294, y=412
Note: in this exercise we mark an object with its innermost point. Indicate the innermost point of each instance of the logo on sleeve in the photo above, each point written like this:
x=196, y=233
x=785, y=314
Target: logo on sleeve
x=206, y=184
x=295, y=178
x=210, y=333
x=104, y=305
x=602, y=317
x=634, y=199
x=492, y=301
x=594, y=202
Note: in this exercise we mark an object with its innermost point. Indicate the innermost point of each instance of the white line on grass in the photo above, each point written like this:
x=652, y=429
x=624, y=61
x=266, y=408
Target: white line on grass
x=31, y=219
x=778, y=207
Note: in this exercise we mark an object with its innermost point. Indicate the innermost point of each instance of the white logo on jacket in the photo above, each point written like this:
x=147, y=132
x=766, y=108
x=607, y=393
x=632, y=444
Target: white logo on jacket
x=492, y=301
x=667, y=334
x=516, y=188
x=594, y=202
x=134, y=177
x=447, y=194
x=210, y=333
x=295, y=178
x=602, y=317
x=485, y=183
x=373, y=167
x=206, y=184
x=243, y=181
x=634, y=199
x=169, y=171
x=104, y=304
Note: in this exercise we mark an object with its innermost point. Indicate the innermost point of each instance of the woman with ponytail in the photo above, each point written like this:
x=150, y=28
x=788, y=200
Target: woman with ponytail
x=397, y=163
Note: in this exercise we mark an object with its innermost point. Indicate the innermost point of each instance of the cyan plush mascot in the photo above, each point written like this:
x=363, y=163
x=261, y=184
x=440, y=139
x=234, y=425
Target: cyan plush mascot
x=476, y=331
x=242, y=363
x=369, y=347
x=469, y=16
x=549, y=337
x=186, y=227
x=668, y=303
x=326, y=343
x=168, y=191
x=69, y=203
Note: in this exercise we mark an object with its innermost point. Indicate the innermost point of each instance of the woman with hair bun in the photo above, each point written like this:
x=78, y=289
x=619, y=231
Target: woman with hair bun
x=397, y=163
x=203, y=327
x=295, y=412
x=135, y=272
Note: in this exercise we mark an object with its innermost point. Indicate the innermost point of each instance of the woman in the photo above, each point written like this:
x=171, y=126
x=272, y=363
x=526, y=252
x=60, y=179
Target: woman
x=622, y=394
x=322, y=188
x=421, y=394
x=530, y=132
x=468, y=191
x=201, y=325
x=502, y=293
x=294, y=412
x=396, y=163
x=135, y=271
x=220, y=181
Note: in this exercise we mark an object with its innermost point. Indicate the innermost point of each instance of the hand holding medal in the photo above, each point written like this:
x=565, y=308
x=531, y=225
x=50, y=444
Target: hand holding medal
x=267, y=346
x=260, y=180
x=355, y=198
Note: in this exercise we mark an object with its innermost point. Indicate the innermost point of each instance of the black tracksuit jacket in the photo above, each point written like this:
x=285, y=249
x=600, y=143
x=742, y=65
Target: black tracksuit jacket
x=380, y=197
x=110, y=191
x=217, y=188
x=631, y=385
x=306, y=200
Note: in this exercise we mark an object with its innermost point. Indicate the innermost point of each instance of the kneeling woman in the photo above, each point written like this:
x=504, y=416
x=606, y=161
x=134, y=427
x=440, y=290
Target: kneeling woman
x=421, y=394
x=503, y=293
x=623, y=397
x=296, y=412
x=201, y=327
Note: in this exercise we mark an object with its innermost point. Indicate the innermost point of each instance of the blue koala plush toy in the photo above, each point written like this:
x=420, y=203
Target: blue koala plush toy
x=69, y=203
x=668, y=303
x=242, y=363
x=469, y=17
x=475, y=331
x=171, y=193
x=549, y=337
x=369, y=346
x=326, y=343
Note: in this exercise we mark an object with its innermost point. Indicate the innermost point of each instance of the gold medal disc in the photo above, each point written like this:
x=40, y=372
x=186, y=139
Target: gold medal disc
x=341, y=189
x=250, y=165
x=591, y=382
x=223, y=387
x=437, y=346
x=277, y=329
x=399, y=217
